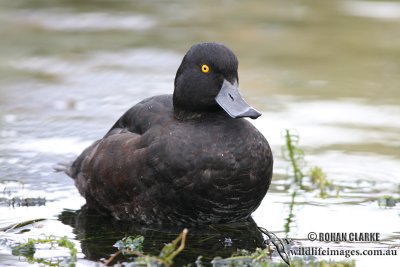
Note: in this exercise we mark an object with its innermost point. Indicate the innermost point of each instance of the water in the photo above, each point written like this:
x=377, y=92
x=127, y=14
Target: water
x=69, y=69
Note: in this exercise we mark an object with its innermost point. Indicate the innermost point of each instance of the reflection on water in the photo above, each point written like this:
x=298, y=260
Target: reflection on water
x=99, y=234
x=329, y=69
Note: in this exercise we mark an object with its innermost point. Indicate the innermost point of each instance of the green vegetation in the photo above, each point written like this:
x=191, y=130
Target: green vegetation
x=315, y=175
x=290, y=217
x=388, y=201
x=262, y=258
x=26, y=202
x=133, y=245
x=318, y=178
x=19, y=225
x=258, y=258
x=28, y=250
x=295, y=155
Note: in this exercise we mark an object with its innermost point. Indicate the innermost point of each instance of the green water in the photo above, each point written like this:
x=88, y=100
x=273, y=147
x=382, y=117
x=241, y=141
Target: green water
x=329, y=69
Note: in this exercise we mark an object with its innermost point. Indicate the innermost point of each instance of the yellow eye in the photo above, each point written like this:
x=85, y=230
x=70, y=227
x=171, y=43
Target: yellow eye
x=205, y=68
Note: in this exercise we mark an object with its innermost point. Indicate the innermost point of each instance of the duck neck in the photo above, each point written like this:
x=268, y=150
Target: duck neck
x=188, y=108
x=184, y=115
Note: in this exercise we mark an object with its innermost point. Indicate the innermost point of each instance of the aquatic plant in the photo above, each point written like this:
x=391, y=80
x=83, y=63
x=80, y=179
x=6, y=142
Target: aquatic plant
x=290, y=217
x=295, y=155
x=262, y=258
x=316, y=178
x=27, y=202
x=133, y=245
x=28, y=250
x=19, y=225
x=319, y=179
x=388, y=201
x=130, y=244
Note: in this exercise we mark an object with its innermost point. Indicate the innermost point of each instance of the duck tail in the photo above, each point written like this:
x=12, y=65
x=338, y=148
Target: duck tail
x=73, y=168
x=64, y=167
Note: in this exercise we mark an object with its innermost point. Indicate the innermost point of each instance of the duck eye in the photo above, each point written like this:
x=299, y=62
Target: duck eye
x=205, y=69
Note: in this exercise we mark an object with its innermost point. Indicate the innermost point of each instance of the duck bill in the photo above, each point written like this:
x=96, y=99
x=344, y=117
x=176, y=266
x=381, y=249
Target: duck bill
x=233, y=103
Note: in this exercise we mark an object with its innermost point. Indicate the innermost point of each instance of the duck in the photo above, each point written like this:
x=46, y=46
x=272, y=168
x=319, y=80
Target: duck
x=191, y=157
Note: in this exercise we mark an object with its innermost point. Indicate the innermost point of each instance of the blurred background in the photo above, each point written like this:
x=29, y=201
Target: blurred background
x=328, y=69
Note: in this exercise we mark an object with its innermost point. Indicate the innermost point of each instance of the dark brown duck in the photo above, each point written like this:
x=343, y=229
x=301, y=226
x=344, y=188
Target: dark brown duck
x=188, y=158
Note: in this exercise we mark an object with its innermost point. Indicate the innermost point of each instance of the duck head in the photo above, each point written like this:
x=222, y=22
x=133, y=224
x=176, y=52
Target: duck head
x=207, y=81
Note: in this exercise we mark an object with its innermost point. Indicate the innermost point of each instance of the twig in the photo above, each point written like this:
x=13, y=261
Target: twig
x=182, y=239
x=111, y=258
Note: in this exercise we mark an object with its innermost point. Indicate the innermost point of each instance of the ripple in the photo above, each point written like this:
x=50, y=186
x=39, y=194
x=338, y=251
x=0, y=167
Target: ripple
x=61, y=20
x=324, y=123
x=108, y=70
x=54, y=145
x=370, y=9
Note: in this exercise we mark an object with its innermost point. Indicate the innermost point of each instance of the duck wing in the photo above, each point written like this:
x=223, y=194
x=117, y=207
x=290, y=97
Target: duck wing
x=120, y=150
x=151, y=112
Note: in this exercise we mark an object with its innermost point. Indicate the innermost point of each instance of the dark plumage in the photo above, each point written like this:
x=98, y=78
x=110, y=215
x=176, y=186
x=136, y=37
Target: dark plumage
x=181, y=158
